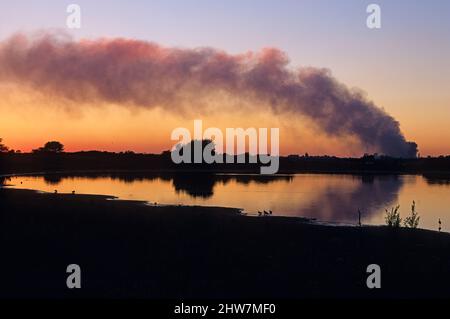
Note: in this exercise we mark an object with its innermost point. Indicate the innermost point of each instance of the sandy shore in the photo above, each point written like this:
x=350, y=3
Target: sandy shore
x=132, y=250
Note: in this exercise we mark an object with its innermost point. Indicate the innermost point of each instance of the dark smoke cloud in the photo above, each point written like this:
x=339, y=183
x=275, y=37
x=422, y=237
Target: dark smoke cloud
x=131, y=72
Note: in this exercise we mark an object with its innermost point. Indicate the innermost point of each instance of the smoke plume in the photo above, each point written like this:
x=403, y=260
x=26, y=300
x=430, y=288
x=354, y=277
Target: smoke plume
x=130, y=72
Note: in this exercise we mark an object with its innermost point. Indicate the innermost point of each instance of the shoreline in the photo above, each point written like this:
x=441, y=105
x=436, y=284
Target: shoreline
x=150, y=203
x=236, y=211
x=231, y=210
x=128, y=249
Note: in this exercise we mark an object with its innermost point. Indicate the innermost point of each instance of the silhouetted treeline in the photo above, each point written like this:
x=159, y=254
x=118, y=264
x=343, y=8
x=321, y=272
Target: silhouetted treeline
x=106, y=161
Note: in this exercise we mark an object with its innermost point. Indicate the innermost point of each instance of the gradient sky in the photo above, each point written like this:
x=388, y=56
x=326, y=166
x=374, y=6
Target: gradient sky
x=404, y=67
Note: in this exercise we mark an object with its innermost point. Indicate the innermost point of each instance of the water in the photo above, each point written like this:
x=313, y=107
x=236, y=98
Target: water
x=326, y=197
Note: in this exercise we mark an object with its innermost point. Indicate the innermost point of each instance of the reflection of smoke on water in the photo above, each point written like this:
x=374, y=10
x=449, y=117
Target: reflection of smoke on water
x=372, y=194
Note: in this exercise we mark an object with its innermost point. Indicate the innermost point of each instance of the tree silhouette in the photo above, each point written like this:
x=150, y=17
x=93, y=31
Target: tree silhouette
x=194, y=145
x=50, y=147
x=3, y=148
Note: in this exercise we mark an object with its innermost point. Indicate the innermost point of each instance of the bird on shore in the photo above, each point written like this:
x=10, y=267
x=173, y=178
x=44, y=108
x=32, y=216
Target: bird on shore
x=270, y=212
x=440, y=224
x=259, y=213
x=266, y=213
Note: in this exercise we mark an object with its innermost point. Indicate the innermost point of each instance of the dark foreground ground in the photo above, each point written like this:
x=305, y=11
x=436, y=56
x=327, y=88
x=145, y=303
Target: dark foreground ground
x=130, y=250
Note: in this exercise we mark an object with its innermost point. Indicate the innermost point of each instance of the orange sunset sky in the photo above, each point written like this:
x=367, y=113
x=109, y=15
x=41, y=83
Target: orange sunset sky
x=403, y=68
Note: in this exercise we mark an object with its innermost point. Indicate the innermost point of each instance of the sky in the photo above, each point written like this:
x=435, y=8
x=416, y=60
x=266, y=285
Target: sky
x=404, y=67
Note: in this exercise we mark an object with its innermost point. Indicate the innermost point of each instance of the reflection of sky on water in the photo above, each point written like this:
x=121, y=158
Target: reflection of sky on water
x=326, y=197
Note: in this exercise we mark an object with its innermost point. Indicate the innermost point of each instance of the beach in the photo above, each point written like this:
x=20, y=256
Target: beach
x=130, y=249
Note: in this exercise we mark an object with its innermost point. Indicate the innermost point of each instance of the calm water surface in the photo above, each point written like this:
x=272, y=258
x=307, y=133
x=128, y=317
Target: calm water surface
x=326, y=197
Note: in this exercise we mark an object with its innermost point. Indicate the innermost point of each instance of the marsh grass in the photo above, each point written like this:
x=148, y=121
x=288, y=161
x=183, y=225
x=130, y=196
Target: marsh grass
x=412, y=221
x=392, y=217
